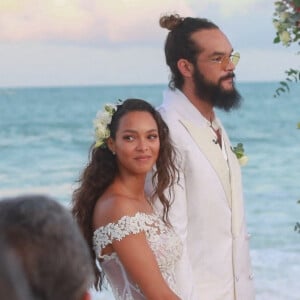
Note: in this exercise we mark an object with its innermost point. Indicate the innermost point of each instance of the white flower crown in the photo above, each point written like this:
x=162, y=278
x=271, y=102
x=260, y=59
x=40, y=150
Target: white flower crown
x=103, y=119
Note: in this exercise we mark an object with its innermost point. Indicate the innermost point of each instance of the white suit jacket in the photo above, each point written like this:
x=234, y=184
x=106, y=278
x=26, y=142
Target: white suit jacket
x=208, y=209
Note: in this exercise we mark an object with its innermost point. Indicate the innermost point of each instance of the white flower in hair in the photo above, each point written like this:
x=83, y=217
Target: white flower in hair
x=103, y=119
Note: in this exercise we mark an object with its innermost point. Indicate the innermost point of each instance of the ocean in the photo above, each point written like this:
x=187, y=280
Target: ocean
x=45, y=135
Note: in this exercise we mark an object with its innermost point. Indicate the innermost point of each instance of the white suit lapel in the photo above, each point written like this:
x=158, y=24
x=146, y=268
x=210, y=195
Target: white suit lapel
x=204, y=139
x=236, y=192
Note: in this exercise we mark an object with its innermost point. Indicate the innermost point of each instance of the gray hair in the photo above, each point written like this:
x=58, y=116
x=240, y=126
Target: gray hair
x=13, y=282
x=51, y=248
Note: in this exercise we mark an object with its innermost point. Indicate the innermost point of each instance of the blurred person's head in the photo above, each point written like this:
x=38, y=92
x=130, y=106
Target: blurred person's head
x=13, y=282
x=49, y=245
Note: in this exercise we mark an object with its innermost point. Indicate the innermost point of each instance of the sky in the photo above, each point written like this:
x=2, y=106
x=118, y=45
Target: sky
x=117, y=42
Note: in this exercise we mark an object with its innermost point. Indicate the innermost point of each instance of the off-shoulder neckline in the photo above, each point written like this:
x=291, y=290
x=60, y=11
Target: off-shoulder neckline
x=138, y=213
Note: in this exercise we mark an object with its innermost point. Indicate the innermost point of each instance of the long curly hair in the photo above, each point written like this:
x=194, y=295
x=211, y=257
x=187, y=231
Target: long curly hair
x=179, y=43
x=102, y=169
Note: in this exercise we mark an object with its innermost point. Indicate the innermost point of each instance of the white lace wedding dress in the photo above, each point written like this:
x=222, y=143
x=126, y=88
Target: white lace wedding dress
x=163, y=241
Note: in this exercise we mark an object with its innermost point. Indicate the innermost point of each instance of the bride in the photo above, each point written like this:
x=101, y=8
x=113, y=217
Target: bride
x=136, y=248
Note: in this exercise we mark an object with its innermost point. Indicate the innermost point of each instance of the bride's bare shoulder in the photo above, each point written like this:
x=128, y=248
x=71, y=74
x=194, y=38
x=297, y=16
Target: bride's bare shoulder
x=112, y=207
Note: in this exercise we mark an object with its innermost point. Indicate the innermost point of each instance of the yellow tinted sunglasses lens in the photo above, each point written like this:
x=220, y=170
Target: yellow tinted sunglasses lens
x=235, y=58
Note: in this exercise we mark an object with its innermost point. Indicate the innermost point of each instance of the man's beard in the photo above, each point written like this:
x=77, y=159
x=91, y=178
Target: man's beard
x=215, y=94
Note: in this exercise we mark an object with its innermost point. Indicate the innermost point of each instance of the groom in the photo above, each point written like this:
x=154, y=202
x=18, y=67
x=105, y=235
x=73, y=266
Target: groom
x=208, y=210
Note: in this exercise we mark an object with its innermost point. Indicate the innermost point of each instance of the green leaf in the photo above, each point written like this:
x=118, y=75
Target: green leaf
x=286, y=86
x=239, y=150
x=297, y=227
x=292, y=71
x=294, y=78
x=278, y=92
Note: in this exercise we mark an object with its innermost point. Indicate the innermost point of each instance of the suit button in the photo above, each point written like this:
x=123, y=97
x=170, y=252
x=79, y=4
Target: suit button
x=237, y=278
x=251, y=276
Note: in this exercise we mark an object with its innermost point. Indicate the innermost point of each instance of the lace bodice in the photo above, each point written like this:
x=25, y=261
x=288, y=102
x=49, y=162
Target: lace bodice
x=163, y=241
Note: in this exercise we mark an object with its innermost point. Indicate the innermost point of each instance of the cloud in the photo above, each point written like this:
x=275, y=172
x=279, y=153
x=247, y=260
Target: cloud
x=228, y=8
x=40, y=20
x=58, y=42
x=113, y=21
x=99, y=21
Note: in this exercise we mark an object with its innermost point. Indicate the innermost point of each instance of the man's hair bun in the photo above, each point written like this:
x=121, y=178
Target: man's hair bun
x=170, y=22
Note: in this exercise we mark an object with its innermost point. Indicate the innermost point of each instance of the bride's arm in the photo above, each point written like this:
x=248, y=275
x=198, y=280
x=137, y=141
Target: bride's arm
x=140, y=263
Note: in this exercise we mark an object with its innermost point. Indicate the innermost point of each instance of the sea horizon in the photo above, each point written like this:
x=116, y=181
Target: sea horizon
x=137, y=84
